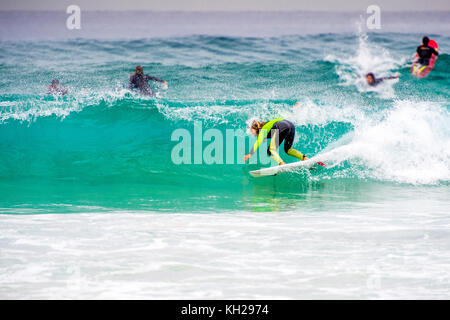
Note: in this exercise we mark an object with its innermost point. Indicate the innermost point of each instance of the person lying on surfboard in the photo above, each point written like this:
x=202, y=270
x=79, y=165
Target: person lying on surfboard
x=277, y=130
x=425, y=52
x=372, y=81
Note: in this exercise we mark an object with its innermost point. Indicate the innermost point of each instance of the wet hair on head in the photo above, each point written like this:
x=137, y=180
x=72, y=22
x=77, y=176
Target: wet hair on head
x=370, y=74
x=55, y=81
x=256, y=125
x=425, y=40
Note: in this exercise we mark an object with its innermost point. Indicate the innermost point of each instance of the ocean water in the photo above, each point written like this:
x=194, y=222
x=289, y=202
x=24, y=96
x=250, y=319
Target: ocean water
x=93, y=206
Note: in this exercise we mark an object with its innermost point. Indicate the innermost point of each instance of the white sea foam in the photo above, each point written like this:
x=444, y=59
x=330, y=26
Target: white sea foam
x=411, y=144
x=310, y=113
x=368, y=57
x=61, y=107
x=363, y=253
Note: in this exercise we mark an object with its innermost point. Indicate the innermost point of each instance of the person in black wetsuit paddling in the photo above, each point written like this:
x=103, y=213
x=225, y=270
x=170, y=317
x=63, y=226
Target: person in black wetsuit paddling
x=425, y=52
x=139, y=80
x=372, y=81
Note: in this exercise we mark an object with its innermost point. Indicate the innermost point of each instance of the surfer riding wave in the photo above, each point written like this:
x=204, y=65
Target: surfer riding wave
x=278, y=130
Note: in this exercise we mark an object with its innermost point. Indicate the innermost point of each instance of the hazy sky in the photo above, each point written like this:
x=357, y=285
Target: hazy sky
x=229, y=5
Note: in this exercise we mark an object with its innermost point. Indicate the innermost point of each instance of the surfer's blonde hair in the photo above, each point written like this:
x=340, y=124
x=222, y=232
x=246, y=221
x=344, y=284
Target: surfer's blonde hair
x=256, y=125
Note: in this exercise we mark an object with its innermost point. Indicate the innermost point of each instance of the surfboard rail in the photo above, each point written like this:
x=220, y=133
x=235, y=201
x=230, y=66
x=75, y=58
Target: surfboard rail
x=290, y=167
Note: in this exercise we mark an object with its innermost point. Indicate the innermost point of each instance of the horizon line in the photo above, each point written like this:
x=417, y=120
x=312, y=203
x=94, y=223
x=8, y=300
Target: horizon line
x=226, y=11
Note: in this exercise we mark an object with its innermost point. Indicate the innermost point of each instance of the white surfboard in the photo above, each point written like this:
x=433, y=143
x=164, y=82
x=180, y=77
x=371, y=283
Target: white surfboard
x=294, y=166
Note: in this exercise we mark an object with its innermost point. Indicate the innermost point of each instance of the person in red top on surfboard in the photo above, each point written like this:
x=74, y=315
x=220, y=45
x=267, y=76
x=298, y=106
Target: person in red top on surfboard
x=425, y=58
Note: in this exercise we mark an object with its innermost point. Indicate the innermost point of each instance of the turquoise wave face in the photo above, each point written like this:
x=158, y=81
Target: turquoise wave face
x=102, y=147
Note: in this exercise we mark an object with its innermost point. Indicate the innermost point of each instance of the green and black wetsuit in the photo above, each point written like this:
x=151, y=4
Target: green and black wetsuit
x=278, y=130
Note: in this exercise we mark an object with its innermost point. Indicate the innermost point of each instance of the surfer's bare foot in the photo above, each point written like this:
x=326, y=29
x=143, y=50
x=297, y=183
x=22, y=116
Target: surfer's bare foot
x=305, y=158
x=281, y=163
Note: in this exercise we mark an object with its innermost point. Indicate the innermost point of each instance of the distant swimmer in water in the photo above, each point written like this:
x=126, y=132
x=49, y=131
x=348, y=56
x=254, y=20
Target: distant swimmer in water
x=56, y=88
x=425, y=52
x=372, y=81
x=277, y=130
x=139, y=80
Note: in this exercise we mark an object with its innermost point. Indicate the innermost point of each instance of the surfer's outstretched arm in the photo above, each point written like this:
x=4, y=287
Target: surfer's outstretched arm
x=147, y=77
x=389, y=78
x=261, y=137
x=164, y=82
